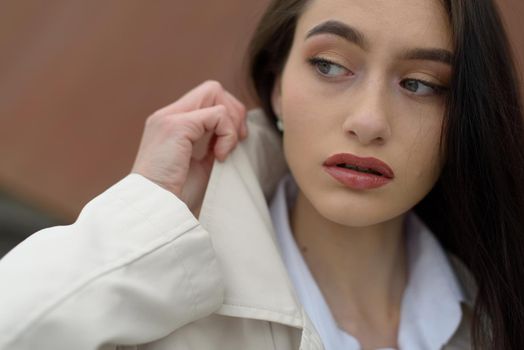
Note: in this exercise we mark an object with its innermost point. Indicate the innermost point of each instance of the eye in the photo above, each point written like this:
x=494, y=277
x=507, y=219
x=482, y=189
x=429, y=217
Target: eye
x=328, y=68
x=422, y=88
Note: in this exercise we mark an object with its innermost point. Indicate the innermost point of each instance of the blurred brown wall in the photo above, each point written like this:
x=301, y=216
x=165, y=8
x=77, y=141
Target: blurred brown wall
x=78, y=78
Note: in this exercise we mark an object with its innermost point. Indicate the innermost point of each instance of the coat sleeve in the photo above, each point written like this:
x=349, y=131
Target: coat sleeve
x=135, y=266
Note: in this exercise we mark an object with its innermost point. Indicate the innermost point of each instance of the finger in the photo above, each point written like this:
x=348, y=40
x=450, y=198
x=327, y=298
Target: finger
x=226, y=135
x=191, y=100
x=241, y=113
x=235, y=111
x=217, y=94
x=201, y=96
x=208, y=94
x=196, y=124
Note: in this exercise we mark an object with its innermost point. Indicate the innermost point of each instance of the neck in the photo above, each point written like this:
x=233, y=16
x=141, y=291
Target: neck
x=360, y=270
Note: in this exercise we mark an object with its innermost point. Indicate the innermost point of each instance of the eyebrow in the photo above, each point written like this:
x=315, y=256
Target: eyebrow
x=356, y=37
x=340, y=29
x=439, y=55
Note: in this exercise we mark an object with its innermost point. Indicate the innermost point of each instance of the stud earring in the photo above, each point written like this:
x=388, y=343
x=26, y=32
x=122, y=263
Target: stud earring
x=280, y=125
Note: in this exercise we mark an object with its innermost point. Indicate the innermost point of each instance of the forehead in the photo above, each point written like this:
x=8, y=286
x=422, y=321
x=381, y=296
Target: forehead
x=406, y=23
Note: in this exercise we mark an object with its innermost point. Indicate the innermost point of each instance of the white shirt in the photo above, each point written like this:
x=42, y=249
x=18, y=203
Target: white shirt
x=430, y=311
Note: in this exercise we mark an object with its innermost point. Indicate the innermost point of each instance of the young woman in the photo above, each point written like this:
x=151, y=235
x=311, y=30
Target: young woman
x=307, y=236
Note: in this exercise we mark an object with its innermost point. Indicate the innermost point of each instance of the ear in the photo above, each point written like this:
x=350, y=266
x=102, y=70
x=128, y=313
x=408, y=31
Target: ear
x=276, y=97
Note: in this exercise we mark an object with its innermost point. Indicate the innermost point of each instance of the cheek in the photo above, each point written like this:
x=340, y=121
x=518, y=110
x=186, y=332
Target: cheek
x=301, y=101
x=302, y=113
x=422, y=163
x=295, y=99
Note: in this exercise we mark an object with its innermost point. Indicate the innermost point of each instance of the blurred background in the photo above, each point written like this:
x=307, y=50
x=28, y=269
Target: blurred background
x=78, y=78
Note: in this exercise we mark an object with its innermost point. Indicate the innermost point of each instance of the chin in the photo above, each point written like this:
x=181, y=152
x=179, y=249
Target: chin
x=357, y=212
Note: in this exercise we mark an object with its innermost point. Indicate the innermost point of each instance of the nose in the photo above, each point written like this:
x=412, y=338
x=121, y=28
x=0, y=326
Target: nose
x=367, y=121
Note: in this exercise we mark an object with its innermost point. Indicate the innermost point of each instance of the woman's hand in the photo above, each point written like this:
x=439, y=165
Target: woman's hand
x=181, y=141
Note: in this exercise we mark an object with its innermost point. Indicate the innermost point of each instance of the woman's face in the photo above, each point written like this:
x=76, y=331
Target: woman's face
x=366, y=78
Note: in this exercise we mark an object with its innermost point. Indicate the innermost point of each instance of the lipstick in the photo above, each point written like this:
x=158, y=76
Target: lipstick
x=357, y=172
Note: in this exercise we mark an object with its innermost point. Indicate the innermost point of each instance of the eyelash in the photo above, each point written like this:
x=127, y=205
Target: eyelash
x=314, y=61
x=438, y=89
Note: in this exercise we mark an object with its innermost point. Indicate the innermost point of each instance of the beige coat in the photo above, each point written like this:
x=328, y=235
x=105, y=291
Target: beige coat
x=138, y=268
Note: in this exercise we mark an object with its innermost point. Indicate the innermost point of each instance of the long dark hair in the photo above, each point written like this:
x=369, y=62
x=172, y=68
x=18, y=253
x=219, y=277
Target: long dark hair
x=476, y=209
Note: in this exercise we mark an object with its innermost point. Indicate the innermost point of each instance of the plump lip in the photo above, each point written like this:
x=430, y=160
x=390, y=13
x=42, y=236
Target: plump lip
x=373, y=164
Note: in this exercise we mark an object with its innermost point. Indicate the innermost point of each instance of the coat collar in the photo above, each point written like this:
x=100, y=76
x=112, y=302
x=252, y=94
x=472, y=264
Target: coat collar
x=235, y=212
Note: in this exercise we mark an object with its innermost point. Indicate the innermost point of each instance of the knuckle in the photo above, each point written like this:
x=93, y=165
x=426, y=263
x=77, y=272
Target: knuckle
x=151, y=120
x=167, y=123
x=221, y=110
x=154, y=117
x=213, y=85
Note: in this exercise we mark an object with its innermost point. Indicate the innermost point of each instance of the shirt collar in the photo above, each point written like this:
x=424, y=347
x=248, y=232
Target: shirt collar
x=431, y=309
